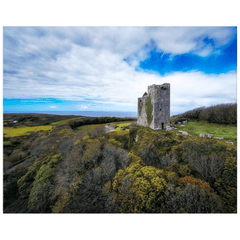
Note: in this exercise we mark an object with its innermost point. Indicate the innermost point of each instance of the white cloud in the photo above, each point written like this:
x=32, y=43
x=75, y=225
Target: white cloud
x=53, y=107
x=84, y=107
x=86, y=64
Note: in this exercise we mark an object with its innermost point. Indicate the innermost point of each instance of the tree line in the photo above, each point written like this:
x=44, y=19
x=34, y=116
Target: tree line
x=221, y=113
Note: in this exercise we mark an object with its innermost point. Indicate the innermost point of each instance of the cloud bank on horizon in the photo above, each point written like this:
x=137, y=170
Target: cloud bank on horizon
x=108, y=68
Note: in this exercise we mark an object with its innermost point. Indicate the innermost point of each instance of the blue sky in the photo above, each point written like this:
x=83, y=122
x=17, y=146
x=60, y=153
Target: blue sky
x=108, y=68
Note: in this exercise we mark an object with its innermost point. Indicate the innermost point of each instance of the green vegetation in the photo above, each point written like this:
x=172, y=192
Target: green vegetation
x=218, y=130
x=62, y=121
x=221, y=114
x=38, y=190
x=149, y=110
x=120, y=127
x=116, y=123
x=77, y=167
x=89, y=127
x=19, y=131
x=145, y=183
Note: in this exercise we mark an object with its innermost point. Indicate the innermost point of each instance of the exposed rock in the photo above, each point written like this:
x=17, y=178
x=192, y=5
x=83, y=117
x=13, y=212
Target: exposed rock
x=230, y=143
x=136, y=139
x=184, y=133
x=201, y=135
x=184, y=121
x=209, y=135
x=179, y=123
x=220, y=138
x=182, y=125
x=168, y=128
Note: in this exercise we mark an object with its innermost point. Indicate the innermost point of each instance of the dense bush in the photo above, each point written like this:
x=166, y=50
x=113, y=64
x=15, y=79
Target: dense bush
x=82, y=174
x=143, y=171
x=10, y=189
x=153, y=147
x=203, y=159
x=147, y=189
x=193, y=197
x=226, y=185
x=139, y=188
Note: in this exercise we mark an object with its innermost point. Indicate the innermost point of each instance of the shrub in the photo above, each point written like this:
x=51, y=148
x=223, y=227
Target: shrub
x=226, y=185
x=184, y=170
x=17, y=155
x=40, y=191
x=139, y=188
x=193, y=196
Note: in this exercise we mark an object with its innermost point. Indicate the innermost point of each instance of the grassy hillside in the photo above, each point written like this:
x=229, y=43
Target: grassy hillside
x=228, y=132
x=77, y=168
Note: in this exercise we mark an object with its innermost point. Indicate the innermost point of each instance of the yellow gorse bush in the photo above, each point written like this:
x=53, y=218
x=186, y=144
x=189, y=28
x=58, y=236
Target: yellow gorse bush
x=139, y=188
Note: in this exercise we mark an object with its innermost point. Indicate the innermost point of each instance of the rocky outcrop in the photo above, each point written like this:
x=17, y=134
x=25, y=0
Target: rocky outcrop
x=201, y=135
x=220, y=138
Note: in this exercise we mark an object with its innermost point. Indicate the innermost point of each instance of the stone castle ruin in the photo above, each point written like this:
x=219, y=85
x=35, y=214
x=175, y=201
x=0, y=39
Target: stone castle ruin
x=154, y=107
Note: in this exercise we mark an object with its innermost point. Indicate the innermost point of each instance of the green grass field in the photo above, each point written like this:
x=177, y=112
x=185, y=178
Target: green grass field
x=62, y=121
x=218, y=130
x=93, y=126
x=121, y=125
x=15, y=132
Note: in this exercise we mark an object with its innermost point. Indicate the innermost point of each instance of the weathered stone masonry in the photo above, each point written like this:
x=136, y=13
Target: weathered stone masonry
x=154, y=107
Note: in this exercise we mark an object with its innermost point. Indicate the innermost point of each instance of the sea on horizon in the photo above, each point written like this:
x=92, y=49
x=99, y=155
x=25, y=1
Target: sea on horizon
x=87, y=113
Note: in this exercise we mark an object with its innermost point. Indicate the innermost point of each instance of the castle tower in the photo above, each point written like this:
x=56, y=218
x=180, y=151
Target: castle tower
x=154, y=107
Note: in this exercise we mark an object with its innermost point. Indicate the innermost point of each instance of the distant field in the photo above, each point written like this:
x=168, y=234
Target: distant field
x=218, y=130
x=14, y=132
x=93, y=126
x=62, y=121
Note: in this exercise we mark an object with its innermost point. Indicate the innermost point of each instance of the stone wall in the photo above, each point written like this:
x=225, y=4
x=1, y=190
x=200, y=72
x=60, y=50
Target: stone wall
x=154, y=107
